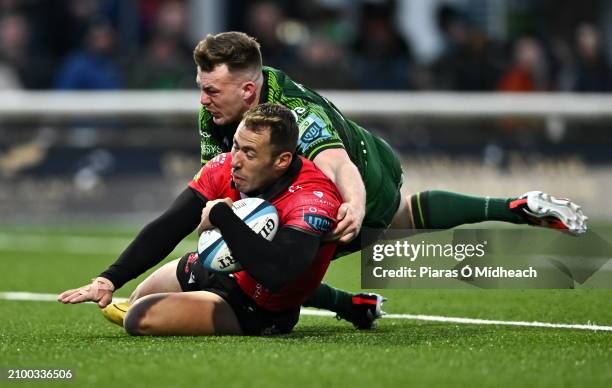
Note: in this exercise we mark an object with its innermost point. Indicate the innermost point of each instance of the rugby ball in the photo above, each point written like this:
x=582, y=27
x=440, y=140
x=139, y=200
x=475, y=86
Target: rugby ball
x=260, y=215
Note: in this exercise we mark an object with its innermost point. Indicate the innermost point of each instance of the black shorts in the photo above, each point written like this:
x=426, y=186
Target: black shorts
x=253, y=320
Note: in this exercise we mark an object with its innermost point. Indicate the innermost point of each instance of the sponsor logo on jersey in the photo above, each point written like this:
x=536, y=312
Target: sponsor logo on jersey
x=318, y=194
x=318, y=222
x=299, y=110
x=326, y=203
x=210, y=150
x=218, y=160
x=258, y=291
x=312, y=131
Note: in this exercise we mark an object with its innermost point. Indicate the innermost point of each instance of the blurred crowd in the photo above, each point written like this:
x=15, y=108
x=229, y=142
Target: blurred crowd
x=145, y=44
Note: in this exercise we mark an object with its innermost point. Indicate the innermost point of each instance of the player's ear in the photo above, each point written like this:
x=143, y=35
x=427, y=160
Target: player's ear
x=248, y=90
x=283, y=160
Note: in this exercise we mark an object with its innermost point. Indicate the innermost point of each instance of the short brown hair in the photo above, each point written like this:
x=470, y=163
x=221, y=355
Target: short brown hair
x=237, y=50
x=279, y=120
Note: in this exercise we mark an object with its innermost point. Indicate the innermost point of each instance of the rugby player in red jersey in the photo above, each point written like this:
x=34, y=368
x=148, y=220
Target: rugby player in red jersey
x=182, y=297
x=366, y=170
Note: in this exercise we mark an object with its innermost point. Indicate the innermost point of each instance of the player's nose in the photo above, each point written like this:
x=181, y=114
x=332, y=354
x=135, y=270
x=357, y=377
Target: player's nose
x=204, y=99
x=236, y=163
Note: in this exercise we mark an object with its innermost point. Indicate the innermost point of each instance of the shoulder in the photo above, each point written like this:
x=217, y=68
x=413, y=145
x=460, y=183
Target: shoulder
x=220, y=162
x=213, y=178
x=311, y=202
x=218, y=166
x=295, y=96
x=315, y=184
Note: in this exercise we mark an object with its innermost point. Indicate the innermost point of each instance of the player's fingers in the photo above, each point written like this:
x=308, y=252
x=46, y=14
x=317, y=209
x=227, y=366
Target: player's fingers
x=106, y=299
x=349, y=233
x=66, y=294
x=340, y=229
x=83, y=295
x=347, y=238
x=347, y=222
x=75, y=296
x=343, y=210
x=72, y=298
x=200, y=229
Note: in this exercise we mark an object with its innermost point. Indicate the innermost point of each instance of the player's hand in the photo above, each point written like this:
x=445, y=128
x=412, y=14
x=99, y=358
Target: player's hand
x=205, y=220
x=100, y=290
x=350, y=218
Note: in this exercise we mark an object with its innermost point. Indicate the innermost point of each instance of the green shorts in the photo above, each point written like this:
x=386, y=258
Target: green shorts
x=383, y=181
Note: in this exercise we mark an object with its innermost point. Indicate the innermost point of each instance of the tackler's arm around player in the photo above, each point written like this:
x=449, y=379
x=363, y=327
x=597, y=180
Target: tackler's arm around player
x=337, y=166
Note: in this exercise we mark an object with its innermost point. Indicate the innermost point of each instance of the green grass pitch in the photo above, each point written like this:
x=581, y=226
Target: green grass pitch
x=320, y=352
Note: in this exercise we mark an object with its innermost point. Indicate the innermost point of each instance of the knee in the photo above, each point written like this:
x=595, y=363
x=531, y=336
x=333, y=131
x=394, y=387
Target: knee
x=137, y=321
x=136, y=294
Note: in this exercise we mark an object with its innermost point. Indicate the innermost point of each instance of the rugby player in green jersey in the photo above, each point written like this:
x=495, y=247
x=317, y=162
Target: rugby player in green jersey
x=365, y=169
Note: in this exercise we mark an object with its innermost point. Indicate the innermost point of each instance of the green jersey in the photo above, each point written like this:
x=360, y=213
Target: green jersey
x=322, y=126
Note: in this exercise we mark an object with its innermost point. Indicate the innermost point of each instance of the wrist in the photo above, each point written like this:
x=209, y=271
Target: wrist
x=104, y=284
x=218, y=212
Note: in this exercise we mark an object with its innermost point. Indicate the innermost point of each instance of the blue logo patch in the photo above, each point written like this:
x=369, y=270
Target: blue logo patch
x=319, y=223
x=313, y=132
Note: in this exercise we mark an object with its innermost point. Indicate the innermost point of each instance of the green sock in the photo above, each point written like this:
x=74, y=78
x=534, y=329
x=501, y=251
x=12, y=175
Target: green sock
x=437, y=209
x=330, y=298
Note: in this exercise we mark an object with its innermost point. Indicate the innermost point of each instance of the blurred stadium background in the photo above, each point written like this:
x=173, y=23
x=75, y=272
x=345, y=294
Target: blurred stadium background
x=98, y=133
x=98, y=104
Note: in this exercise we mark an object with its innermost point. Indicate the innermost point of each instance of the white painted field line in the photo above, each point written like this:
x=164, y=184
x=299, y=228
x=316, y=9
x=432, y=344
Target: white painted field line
x=473, y=321
x=37, y=297
x=31, y=296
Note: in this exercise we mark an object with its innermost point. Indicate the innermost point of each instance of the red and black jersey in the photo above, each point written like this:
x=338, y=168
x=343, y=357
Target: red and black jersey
x=305, y=199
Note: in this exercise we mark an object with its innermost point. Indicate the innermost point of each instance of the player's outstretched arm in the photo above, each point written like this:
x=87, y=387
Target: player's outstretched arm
x=150, y=246
x=100, y=290
x=156, y=240
x=337, y=166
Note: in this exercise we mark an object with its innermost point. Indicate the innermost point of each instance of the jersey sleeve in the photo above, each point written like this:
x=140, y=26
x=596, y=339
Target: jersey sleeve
x=317, y=132
x=208, y=182
x=209, y=147
x=313, y=212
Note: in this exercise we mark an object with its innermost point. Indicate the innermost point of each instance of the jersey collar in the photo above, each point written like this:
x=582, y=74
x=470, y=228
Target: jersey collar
x=263, y=96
